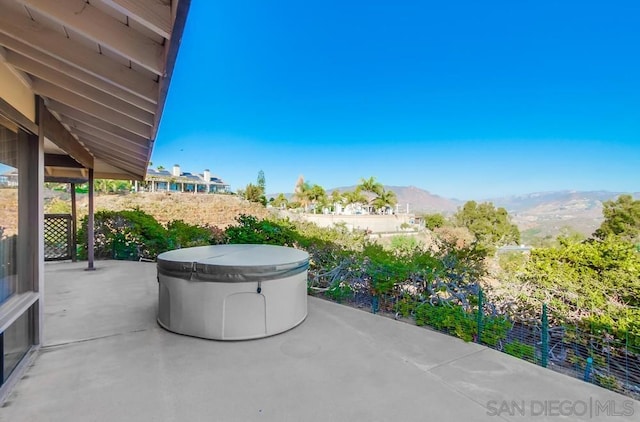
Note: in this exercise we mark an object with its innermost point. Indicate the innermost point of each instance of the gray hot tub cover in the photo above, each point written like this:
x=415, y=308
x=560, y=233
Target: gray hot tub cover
x=233, y=263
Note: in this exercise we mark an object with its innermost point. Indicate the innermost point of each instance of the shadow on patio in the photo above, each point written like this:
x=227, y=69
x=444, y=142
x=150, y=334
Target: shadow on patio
x=106, y=359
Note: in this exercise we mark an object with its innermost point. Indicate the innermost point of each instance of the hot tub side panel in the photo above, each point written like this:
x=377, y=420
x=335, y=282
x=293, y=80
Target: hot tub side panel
x=286, y=302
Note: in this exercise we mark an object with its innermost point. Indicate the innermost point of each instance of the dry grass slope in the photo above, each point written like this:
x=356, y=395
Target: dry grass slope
x=214, y=210
x=9, y=211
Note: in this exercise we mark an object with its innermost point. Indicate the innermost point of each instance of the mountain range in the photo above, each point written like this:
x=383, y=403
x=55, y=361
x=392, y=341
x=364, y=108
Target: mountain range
x=536, y=214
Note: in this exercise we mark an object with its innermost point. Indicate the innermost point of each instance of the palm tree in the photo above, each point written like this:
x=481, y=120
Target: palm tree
x=386, y=198
x=370, y=185
x=316, y=194
x=301, y=192
x=355, y=197
x=280, y=201
x=336, y=198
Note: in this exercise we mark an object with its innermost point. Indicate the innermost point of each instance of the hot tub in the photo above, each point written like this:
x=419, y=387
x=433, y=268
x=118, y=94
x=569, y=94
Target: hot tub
x=232, y=292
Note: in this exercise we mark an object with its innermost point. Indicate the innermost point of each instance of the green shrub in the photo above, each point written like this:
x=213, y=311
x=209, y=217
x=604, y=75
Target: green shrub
x=450, y=319
x=404, y=245
x=520, y=350
x=254, y=231
x=455, y=320
x=184, y=235
x=339, y=291
x=610, y=382
x=129, y=234
x=494, y=329
x=406, y=305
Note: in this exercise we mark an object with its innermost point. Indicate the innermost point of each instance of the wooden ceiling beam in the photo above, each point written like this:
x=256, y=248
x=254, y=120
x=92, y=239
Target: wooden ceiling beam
x=152, y=14
x=10, y=113
x=8, y=124
x=97, y=110
x=24, y=78
x=69, y=115
x=63, y=179
x=20, y=28
x=117, y=146
x=59, y=160
x=74, y=125
x=53, y=70
x=105, y=30
x=107, y=156
x=59, y=135
x=62, y=81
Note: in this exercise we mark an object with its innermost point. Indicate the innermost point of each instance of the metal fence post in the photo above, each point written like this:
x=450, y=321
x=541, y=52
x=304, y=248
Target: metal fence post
x=626, y=358
x=544, y=336
x=479, y=318
x=587, y=369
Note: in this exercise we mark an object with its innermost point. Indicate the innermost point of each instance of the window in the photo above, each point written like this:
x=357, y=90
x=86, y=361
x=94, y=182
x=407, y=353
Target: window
x=15, y=342
x=8, y=213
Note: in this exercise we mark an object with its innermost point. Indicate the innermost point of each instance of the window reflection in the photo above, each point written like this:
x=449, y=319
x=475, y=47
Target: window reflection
x=8, y=212
x=16, y=341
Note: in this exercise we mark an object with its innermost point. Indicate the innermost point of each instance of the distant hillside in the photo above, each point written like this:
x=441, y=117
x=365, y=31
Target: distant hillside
x=536, y=214
x=422, y=201
x=419, y=200
x=558, y=201
x=547, y=213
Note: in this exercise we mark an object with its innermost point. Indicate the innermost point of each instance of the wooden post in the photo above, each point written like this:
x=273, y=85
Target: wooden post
x=90, y=229
x=74, y=227
x=36, y=219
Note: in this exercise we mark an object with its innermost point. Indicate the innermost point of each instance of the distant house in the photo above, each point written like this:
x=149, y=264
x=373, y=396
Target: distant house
x=9, y=179
x=178, y=181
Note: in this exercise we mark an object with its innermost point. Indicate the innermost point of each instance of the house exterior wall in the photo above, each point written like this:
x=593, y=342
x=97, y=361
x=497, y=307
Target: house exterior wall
x=372, y=223
x=183, y=182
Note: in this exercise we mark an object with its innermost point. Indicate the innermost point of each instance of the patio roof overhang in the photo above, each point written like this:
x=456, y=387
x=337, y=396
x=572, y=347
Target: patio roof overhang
x=101, y=69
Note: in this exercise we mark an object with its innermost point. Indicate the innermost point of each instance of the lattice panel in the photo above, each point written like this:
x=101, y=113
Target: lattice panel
x=57, y=237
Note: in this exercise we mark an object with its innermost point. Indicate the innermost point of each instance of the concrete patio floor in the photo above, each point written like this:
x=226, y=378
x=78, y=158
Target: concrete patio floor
x=106, y=359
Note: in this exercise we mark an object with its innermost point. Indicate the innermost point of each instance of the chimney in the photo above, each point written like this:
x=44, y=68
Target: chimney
x=206, y=175
x=176, y=170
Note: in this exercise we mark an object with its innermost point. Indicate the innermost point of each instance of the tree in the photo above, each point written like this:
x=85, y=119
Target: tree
x=491, y=227
x=386, y=198
x=354, y=197
x=433, y=221
x=254, y=193
x=336, y=198
x=370, y=185
x=570, y=235
x=280, y=201
x=316, y=195
x=159, y=168
x=621, y=218
x=594, y=282
x=301, y=192
x=261, y=181
x=111, y=186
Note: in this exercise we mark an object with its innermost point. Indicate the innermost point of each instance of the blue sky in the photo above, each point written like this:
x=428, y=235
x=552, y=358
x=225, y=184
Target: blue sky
x=465, y=99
